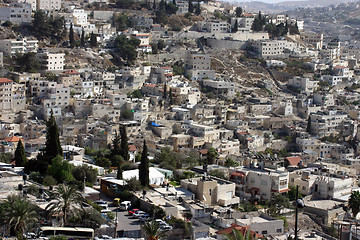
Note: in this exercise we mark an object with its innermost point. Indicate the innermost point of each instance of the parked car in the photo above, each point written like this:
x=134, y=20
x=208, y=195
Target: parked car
x=106, y=237
x=125, y=205
x=138, y=214
x=132, y=211
x=144, y=218
x=99, y=202
x=163, y=225
x=116, y=202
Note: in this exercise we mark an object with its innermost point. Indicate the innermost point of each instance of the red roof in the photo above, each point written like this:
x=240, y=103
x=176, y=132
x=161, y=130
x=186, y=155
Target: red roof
x=293, y=161
x=150, y=85
x=282, y=190
x=5, y=80
x=132, y=148
x=340, y=67
x=71, y=71
x=238, y=174
x=203, y=151
x=12, y=139
x=242, y=230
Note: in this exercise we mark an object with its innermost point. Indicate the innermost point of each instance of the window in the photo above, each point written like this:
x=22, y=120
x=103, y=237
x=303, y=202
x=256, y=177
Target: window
x=279, y=230
x=264, y=232
x=210, y=190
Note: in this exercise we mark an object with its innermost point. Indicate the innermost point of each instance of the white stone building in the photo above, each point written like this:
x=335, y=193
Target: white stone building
x=12, y=46
x=50, y=61
x=16, y=13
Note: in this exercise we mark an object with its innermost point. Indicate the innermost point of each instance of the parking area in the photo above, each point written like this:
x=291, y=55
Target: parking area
x=127, y=226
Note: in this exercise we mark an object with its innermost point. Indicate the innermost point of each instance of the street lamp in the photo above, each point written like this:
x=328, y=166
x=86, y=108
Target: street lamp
x=299, y=204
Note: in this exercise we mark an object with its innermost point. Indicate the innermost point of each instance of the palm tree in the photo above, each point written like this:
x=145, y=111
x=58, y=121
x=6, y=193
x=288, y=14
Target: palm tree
x=354, y=202
x=65, y=200
x=152, y=230
x=19, y=212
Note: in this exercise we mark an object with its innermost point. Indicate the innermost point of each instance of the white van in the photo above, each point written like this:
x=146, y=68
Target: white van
x=125, y=205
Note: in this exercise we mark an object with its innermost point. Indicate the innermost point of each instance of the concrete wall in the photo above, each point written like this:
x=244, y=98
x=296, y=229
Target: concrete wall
x=226, y=44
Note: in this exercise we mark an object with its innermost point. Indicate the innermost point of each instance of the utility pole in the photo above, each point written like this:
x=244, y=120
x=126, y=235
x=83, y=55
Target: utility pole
x=296, y=213
x=299, y=204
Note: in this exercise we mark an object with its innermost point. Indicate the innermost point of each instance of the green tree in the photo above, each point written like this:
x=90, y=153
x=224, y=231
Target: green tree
x=198, y=9
x=103, y=162
x=116, y=147
x=354, y=202
x=191, y=6
x=171, y=98
x=152, y=230
x=238, y=11
x=41, y=25
x=20, y=157
x=93, y=40
x=89, y=218
x=211, y=155
x=84, y=172
x=308, y=127
x=27, y=62
x=276, y=204
x=124, y=147
x=64, y=201
x=19, y=212
x=119, y=174
x=258, y=23
x=71, y=36
x=82, y=40
x=165, y=92
x=52, y=145
x=126, y=48
x=161, y=44
x=236, y=27
x=61, y=170
x=231, y=163
x=292, y=194
x=144, y=167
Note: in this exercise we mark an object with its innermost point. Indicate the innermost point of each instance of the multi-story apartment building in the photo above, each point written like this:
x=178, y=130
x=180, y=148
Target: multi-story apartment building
x=12, y=46
x=317, y=40
x=211, y=190
x=19, y=13
x=327, y=122
x=213, y=26
x=199, y=66
x=49, y=61
x=272, y=48
x=183, y=7
x=259, y=183
x=144, y=38
x=322, y=186
x=46, y=5
x=244, y=22
x=304, y=83
x=5, y=93
x=221, y=87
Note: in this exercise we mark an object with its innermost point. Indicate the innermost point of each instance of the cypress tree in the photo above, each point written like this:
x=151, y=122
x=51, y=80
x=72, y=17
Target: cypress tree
x=119, y=174
x=308, y=127
x=171, y=99
x=20, y=157
x=144, y=167
x=52, y=145
x=154, y=5
x=93, y=40
x=198, y=9
x=165, y=92
x=236, y=26
x=82, y=41
x=191, y=6
x=71, y=36
x=124, y=147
